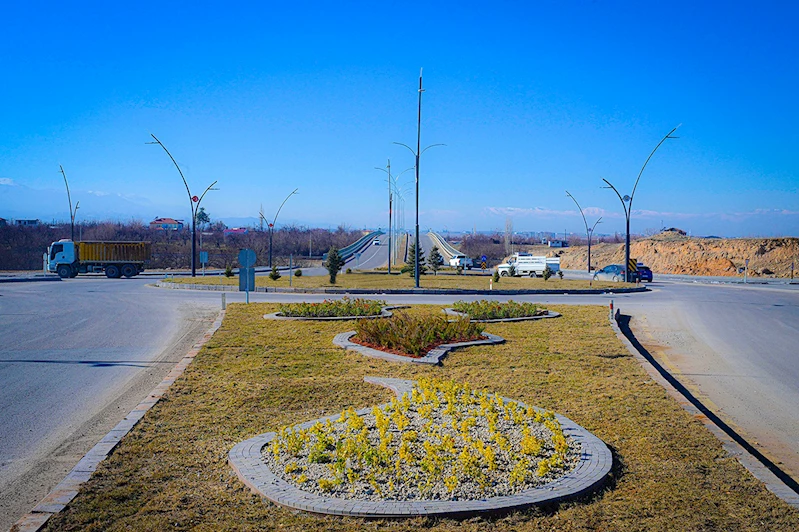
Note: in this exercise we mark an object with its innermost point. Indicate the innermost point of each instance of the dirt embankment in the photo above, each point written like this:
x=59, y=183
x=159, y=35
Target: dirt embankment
x=674, y=253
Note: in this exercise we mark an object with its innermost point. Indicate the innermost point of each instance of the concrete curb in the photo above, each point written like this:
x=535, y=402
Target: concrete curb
x=378, y=291
x=588, y=475
x=433, y=357
x=735, y=449
x=549, y=314
x=67, y=489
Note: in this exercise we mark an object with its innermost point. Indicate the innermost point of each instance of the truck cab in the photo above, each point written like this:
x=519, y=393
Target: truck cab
x=61, y=258
x=461, y=261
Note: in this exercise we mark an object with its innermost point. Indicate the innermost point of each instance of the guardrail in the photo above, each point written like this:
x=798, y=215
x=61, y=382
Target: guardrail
x=348, y=251
x=445, y=247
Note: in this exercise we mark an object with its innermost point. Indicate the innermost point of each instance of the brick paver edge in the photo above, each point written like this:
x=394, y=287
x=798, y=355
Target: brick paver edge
x=67, y=489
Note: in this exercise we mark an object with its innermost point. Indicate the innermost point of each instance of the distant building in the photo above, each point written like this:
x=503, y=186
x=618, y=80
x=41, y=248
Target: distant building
x=27, y=223
x=166, y=224
x=558, y=244
x=3, y=221
x=236, y=231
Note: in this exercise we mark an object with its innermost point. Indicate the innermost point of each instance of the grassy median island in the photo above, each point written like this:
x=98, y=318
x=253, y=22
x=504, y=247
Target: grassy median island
x=396, y=281
x=254, y=376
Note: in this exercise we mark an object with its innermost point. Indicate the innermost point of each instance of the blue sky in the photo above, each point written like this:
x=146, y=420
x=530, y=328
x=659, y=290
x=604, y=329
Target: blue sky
x=530, y=98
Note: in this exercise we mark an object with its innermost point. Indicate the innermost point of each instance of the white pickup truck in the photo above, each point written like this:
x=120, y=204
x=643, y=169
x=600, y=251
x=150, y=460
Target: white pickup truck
x=527, y=264
x=461, y=261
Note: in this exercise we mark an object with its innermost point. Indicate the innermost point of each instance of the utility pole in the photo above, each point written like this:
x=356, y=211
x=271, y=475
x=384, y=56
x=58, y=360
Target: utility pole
x=72, y=213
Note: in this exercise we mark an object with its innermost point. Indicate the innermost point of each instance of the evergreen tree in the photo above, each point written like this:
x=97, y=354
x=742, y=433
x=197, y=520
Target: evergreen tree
x=333, y=263
x=435, y=260
x=409, y=264
x=275, y=275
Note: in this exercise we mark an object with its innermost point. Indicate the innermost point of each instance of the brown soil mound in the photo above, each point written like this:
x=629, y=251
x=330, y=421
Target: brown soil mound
x=674, y=253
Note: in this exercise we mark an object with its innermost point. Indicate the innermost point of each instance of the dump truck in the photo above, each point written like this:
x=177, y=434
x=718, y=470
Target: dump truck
x=115, y=259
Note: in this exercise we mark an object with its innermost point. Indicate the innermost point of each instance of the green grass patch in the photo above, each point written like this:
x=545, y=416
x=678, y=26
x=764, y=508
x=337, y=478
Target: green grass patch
x=413, y=334
x=397, y=281
x=330, y=308
x=495, y=310
x=254, y=376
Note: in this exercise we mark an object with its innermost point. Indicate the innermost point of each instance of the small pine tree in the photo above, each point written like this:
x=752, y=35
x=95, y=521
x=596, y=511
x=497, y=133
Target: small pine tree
x=435, y=260
x=275, y=275
x=496, y=276
x=333, y=263
x=409, y=264
x=512, y=271
x=547, y=273
x=228, y=271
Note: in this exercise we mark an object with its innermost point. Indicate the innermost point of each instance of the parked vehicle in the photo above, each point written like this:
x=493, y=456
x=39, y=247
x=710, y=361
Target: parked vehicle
x=613, y=272
x=644, y=273
x=115, y=259
x=523, y=264
x=461, y=261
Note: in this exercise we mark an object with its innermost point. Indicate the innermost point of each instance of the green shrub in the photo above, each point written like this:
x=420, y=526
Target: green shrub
x=547, y=273
x=228, y=271
x=492, y=310
x=415, y=335
x=349, y=270
x=560, y=274
x=298, y=273
x=333, y=264
x=333, y=308
x=512, y=271
x=496, y=276
x=274, y=275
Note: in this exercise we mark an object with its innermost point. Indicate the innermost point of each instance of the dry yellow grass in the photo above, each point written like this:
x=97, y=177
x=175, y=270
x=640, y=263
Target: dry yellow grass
x=385, y=281
x=255, y=375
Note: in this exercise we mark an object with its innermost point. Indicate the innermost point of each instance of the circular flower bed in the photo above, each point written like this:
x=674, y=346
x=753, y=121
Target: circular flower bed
x=333, y=308
x=493, y=310
x=442, y=441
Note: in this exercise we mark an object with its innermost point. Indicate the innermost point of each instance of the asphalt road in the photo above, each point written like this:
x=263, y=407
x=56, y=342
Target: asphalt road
x=79, y=354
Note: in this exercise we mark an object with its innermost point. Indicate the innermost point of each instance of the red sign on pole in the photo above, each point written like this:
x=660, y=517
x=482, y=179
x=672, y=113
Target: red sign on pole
x=195, y=199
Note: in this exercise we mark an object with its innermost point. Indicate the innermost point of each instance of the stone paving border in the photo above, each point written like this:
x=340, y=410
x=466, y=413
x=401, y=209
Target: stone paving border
x=434, y=356
x=380, y=291
x=67, y=489
x=588, y=475
x=385, y=312
x=549, y=314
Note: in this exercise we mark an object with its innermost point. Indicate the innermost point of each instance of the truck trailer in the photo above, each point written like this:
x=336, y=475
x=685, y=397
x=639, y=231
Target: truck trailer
x=115, y=259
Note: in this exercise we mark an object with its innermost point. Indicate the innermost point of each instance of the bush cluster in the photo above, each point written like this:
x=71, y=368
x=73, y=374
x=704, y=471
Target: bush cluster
x=333, y=308
x=415, y=335
x=493, y=310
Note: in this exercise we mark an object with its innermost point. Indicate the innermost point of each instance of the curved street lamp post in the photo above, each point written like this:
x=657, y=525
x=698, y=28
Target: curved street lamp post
x=392, y=186
x=194, y=203
x=417, y=154
x=274, y=221
x=72, y=212
x=627, y=203
x=588, y=230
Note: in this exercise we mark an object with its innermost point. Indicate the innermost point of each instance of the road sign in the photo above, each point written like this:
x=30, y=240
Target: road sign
x=203, y=257
x=484, y=259
x=483, y=265
x=195, y=199
x=246, y=258
x=246, y=279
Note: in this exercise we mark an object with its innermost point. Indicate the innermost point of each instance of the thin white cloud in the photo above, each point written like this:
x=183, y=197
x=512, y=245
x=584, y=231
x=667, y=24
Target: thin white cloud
x=6, y=181
x=539, y=212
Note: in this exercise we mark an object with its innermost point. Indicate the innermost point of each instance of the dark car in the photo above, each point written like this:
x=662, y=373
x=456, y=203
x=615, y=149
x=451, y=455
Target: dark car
x=644, y=273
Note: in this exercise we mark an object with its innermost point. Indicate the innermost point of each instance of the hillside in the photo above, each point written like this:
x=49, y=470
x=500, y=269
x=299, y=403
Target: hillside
x=670, y=252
